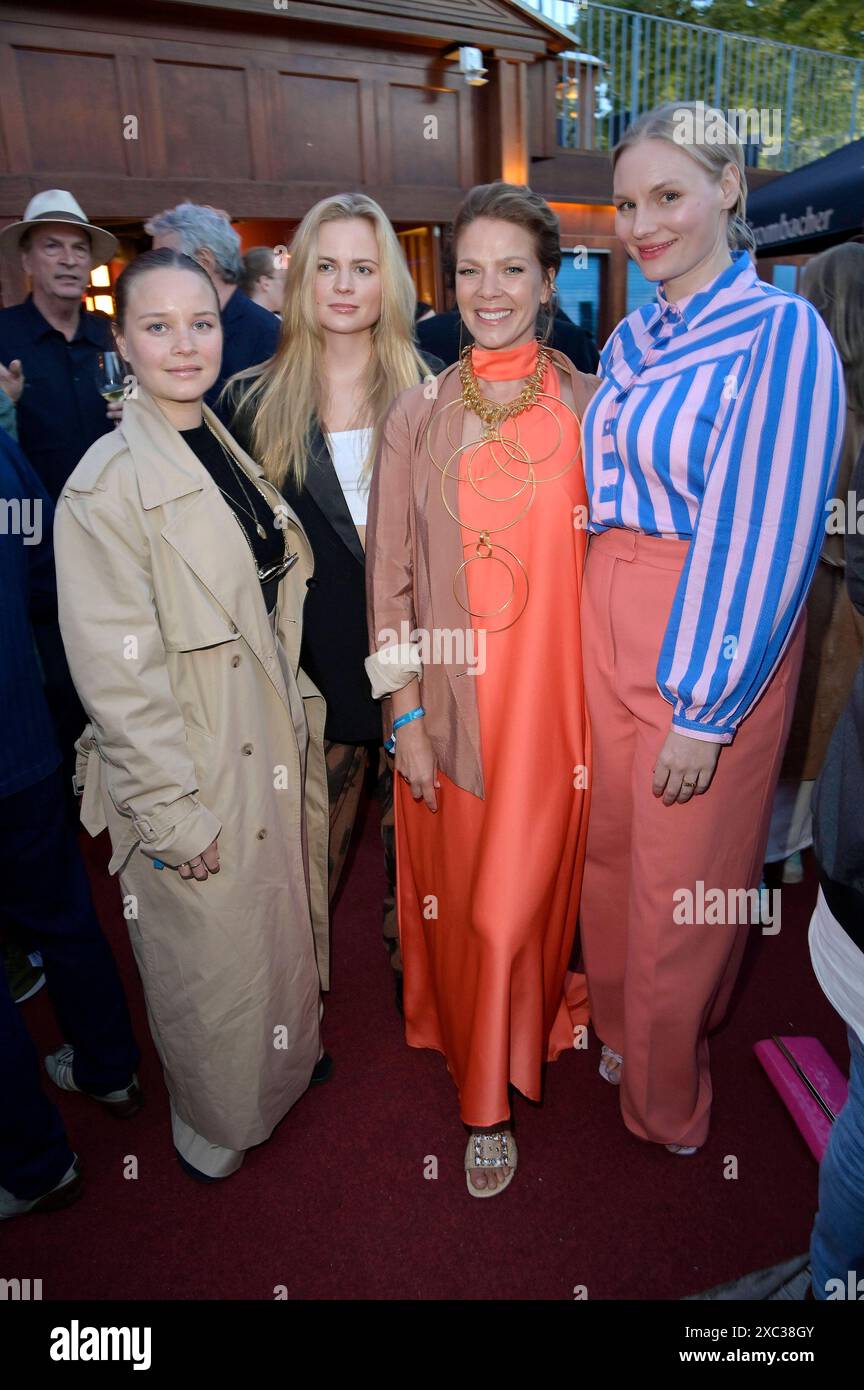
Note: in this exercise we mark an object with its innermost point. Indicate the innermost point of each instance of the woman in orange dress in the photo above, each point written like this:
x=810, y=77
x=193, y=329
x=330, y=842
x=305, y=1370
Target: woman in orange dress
x=475, y=547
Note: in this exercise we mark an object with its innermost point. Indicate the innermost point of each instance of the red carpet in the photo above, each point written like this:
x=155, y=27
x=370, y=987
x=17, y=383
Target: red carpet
x=336, y=1205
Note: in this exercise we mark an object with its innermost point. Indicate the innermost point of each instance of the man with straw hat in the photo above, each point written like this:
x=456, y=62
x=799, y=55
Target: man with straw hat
x=49, y=345
x=49, y=350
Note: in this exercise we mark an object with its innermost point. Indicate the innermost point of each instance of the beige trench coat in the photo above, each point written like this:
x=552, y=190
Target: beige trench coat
x=200, y=724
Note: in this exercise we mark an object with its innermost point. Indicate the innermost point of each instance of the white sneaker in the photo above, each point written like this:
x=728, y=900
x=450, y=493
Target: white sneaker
x=66, y=1192
x=125, y=1102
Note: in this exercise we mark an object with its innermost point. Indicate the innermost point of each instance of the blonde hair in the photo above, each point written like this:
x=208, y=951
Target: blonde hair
x=833, y=282
x=285, y=396
x=665, y=121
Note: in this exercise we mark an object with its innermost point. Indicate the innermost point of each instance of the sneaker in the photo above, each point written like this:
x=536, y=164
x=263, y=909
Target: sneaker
x=123, y=1103
x=68, y=1190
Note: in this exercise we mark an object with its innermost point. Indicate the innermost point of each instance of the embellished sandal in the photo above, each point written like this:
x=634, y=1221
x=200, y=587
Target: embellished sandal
x=490, y=1151
x=685, y=1150
x=612, y=1074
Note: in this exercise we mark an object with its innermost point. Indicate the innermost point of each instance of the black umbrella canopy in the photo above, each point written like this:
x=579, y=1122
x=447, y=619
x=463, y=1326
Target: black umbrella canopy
x=821, y=200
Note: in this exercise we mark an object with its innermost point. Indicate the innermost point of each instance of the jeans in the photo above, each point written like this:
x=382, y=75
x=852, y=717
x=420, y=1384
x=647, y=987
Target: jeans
x=837, y=1245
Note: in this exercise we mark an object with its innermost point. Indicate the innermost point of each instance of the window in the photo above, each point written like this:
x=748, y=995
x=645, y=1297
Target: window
x=639, y=290
x=579, y=288
x=785, y=277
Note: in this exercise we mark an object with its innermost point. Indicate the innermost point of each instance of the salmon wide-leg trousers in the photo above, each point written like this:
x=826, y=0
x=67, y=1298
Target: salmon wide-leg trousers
x=656, y=984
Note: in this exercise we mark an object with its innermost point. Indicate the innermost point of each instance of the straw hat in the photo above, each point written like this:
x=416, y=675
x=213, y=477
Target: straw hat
x=58, y=206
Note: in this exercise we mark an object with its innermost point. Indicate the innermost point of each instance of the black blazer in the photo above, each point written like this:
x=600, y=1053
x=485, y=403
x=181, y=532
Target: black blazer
x=335, y=636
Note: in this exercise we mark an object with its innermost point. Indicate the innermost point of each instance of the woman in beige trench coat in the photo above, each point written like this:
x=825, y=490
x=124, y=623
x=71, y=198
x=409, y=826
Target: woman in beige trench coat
x=204, y=755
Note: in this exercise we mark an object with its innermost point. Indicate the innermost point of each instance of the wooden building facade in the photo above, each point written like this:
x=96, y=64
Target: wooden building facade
x=262, y=107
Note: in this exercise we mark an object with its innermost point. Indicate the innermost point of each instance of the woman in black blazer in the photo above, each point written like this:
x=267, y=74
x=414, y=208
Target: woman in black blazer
x=313, y=416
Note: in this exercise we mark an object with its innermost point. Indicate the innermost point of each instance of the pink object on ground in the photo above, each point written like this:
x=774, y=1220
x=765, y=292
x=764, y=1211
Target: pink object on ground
x=824, y=1076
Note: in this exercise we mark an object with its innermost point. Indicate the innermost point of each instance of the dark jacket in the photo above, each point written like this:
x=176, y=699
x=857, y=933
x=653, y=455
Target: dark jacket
x=445, y=335
x=250, y=336
x=60, y=412
x=838, y=797
x=335, y=639
x=28, y=745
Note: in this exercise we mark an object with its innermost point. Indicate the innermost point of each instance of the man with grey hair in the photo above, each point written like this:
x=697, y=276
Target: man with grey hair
x=250, y=331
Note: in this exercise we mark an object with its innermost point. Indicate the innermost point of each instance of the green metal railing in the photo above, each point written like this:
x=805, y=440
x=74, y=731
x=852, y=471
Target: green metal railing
x=792, y=104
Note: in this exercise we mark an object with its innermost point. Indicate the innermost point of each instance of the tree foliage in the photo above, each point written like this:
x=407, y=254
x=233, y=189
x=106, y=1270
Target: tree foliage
x=835, y=26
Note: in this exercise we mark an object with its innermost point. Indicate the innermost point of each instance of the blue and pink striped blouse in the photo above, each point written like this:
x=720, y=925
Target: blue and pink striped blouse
x=720, y=421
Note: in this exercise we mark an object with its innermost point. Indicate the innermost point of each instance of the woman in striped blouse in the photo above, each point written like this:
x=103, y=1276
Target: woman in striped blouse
x=711, y=450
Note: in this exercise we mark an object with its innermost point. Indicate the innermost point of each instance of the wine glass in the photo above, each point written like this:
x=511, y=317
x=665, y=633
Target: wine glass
x=109, y=377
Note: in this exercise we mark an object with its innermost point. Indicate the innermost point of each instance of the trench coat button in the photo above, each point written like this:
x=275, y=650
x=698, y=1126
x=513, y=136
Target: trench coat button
x=235, y=661
x=247, y=749
x=262, y=834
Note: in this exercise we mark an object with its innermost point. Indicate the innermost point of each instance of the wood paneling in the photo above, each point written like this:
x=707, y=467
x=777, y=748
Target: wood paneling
x=204, y=127
x=258, y=116
x=71, y=102
x=482, y=23
x=428, y=150
x=318, y=128
x=271, y=101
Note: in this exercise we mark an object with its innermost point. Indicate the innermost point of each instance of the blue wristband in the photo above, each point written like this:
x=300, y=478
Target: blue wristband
x=409, y=717
x=390, y=745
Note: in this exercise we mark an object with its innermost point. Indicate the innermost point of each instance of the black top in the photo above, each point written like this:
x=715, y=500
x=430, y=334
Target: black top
x=335, y=637
x=269, y=550
x=60, y=412
x=250, y=336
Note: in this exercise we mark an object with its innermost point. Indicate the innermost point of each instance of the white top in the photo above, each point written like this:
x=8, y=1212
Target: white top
x=838, y=965
x=348, y=449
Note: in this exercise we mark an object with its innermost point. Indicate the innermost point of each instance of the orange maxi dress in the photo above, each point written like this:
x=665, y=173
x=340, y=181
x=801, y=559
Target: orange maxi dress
x=488, y=889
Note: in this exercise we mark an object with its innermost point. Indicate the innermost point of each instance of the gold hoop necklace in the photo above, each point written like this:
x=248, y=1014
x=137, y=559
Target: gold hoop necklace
x=493, y=417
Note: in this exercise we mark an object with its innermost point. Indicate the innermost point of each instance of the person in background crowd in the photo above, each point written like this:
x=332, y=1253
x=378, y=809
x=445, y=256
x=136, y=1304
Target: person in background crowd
x=422, y=310
x=45, y=895
x=313, y=418
x=834, y=283
x=50, y=347
x=711, y=450
x=50, y=344
x=250, y=333
x=471, y=519
x=263, y=280
x=446, y=335
x=837, y=953
x=182, y=575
